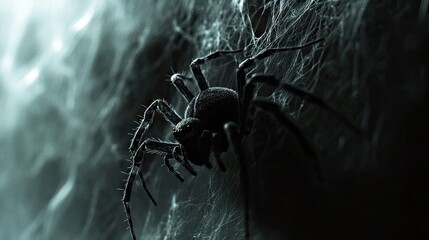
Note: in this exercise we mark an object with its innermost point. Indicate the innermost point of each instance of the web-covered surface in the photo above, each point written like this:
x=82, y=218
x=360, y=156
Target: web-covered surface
x=74, y=74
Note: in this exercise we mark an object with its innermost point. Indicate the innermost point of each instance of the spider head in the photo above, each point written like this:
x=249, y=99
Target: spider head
x=188, y=129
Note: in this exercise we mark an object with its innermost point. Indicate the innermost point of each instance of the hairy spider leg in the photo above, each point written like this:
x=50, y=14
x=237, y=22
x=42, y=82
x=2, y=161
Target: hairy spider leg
x=178, y=82
x=234, y=140
x=250, y=62
x=167, y=160
x=147, y=145
x=158, y=105
x=178, y=154
x=127, y=196
x=196, y=66
x=274, y=110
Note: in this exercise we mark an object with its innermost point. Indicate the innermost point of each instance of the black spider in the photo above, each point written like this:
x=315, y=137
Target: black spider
x=214, y=119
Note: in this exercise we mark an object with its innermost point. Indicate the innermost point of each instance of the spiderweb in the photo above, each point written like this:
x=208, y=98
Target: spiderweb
x=75, y=74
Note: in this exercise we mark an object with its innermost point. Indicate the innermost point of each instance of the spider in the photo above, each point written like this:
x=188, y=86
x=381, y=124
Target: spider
x=214, y=119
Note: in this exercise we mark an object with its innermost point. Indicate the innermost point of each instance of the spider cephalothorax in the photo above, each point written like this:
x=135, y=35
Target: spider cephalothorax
x=187, y=130
x=215, y=119
x=203, y=124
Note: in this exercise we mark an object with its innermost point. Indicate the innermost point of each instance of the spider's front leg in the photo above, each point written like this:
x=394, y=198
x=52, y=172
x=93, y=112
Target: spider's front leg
x=158, y=105
x=178, y=81
x=179, y=155
x=147, y=145
x=167, y=160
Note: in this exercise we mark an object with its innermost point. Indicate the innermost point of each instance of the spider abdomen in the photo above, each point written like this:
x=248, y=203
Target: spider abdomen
x=214, y=106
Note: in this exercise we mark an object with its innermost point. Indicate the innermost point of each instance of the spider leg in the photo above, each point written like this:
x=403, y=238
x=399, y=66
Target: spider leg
x=147, y=145
x=250, y=62
x=141, y=178
x=167, y=160
x=127, y=196
x=205, y=145
x=196, y=68
x=219, y=161
x=177, y=80
x=183, y=160
x=249, y=90
x=288, y=123
x=234, y=139
x=158, y=105
x=152, y=146
x=219, y=145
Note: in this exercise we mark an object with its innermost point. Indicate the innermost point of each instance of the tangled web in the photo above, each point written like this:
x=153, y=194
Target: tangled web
x=210, y=206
